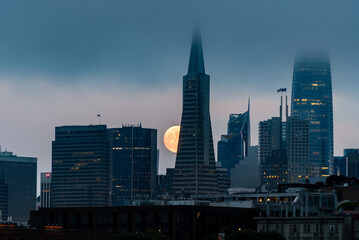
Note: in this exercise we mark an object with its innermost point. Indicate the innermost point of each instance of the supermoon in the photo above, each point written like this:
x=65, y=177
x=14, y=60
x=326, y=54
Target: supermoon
x=170, y=139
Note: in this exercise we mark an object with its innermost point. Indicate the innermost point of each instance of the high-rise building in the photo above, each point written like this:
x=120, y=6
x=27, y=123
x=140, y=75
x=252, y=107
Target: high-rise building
x=283, y=151
x=272, y=154
x=297, y=139
x=45, y=190
x=80, y=167
x=195, y=168
x=233, y=146
x=4, y=195
x=134, y=163
x=312, y=101
x=20, y=176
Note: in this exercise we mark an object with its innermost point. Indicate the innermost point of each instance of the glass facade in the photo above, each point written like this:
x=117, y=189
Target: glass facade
x=20, y=177
x=134, y=163
x=234, y=146
x=80, y=167
x=312, y=101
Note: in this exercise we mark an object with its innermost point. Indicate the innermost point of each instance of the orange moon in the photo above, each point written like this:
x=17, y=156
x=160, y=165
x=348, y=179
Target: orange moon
x=170, y=139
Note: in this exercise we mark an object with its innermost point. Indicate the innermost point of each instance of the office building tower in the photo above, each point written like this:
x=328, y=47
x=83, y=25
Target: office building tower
x=45, y=189
x=272, y=155
x=283, y=149
x=312, y=101
x=4, y=192
x=80, y=167
x=195, y=168
x=233, y=146
x=19, y=174
x=134, y=163
x=245, y=174
x=297, y=139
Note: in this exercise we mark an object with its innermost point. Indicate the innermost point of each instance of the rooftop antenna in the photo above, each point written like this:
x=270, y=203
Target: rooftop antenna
x=99, y=117
x=282, y=90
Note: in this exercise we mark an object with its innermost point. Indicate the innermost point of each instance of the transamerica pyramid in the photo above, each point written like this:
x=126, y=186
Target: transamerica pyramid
x=195, y=169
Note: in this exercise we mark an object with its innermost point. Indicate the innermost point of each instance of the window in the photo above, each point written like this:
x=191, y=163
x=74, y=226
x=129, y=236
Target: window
x=333, y=227
x=307, y=228
x=262, y=227
x=316, y=228
x=293, y=228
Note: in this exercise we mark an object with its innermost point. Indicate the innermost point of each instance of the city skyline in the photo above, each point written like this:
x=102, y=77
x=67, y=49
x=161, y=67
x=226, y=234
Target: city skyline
x=47, y=80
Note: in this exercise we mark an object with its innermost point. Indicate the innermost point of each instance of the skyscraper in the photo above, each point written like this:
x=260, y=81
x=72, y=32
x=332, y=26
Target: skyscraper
x=272, y=154
x=195, y=168
x=234, y=145
x=134, y=163
x=297, y=140
x=312, y=101
x=283, y=149
x=80, y=167
x=19, y=174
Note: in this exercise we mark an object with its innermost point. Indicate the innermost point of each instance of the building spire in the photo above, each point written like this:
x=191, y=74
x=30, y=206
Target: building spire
x=196, y=62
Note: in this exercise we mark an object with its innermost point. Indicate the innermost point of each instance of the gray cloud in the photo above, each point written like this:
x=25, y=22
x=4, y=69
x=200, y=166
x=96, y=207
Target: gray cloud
x=62, y=62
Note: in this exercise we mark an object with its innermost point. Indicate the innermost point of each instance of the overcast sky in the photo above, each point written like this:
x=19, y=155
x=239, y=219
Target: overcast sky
x=64, y=62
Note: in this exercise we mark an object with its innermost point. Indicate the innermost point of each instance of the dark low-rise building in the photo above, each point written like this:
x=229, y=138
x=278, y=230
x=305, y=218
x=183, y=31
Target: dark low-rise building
x=177, y=222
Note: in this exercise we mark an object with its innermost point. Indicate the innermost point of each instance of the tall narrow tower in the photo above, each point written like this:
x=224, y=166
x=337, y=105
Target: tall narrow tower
x=195, y=170
x=312, y=101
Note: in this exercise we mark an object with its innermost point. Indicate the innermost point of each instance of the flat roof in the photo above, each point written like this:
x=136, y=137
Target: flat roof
x=14, y=158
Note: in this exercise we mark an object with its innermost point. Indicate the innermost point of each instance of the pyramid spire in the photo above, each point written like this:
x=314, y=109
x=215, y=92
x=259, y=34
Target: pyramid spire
x=249, y=103
x=196, y=62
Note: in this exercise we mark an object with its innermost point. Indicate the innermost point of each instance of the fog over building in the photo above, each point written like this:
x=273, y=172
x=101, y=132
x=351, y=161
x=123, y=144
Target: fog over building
x=195, y=168
x=312, y=101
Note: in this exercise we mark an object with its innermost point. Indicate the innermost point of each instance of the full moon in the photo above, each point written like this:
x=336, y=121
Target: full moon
x=170, y=139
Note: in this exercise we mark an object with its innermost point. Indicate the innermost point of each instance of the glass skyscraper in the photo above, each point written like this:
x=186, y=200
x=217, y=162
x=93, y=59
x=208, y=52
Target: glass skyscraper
x=80, y=167
x=234, y=145
x=312, y=101
x=134, y=163
x=195, y=169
